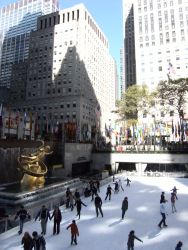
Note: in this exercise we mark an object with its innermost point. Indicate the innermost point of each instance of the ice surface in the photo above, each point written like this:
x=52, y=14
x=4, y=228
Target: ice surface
x=110, y=232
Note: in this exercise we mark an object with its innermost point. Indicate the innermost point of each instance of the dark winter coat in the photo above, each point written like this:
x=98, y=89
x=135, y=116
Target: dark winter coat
x=131, y=239
x=22, y=214
x=109, y=190
x=27, y=243
x=57, y=215
x=124, y=204
x=79, y=204
x=98, y=201
x=39, y=243
x=43, y=214
x=173, y=197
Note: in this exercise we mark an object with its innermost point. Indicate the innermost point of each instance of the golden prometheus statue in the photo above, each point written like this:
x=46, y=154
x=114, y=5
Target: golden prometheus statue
x=33, y=166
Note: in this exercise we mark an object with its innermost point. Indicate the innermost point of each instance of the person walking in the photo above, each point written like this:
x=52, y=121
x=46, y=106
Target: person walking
x=74, y=232
x=98, y=205
x=22, y=214
x=27, y=241
x=163, y=214
x=39, y=242
x=108, y=192
x=131, y=238
x=79, y=204
x=43, y=216
x=173, y=201
x=179, y=245
x=124, y=207
x=57, y=219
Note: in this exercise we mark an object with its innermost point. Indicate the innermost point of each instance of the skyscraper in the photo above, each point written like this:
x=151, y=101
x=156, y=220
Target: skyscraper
x=71, y=74
x=17, y=20
x=161, y=40
x=129, y=44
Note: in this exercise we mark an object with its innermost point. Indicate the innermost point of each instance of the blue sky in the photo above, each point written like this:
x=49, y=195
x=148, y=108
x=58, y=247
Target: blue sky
x=107, y=14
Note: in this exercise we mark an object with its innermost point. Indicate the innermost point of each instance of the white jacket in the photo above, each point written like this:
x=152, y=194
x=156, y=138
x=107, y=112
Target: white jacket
x=163, y=208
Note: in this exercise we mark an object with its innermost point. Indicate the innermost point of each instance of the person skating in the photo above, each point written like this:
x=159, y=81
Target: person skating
x=57, y=220
x=108, y=192
x=128, y=182
x=71, y=198
x=163, y=199
x=39, y=242
x=173, y=201
x=74, y=232
x=124, y=207
x=120, y=184
x=43, y=216
x=179, y=245
x=116, y=188
x=76, y=195
x=174, y=190
x=67, y=204
x=93, y=191
x=27, y=241
x=98, y=205
x=98, y=186
x=79, y=204
x=163, y=214
x=22, y=214
x=131, y=238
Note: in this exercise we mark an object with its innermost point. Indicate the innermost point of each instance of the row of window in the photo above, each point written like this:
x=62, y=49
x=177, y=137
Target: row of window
x=162, y=114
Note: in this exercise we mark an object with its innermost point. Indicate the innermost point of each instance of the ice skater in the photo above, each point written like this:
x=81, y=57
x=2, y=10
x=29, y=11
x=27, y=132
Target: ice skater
x=39, y=242
x=79, y=204
x=43, y=216
x=173, y=201
x=179, y=245
x=131, y=238
x=74, y=232
x=124, y=207
x=174, y=190
x=27, y=241
x=57, y=220
x=128, y=182
x=163, y=214
x=108, y=192
x=120, y=185
x=116, y=188
x=22, y=214
x=98, y=205
x=163, y=199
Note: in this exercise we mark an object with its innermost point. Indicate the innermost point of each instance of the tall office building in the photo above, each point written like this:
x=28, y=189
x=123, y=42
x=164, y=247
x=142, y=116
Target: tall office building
x=17, y=20
x=161, y=40
x=71, y=74
x=129, y=72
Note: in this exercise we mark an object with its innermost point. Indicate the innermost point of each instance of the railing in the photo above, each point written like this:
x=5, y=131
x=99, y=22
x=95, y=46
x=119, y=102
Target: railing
x=170, y=147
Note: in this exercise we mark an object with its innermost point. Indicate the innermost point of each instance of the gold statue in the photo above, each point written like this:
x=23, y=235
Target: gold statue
x=33, y=166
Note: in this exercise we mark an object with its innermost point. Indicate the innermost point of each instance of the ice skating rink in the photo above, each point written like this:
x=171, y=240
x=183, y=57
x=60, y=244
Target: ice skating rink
x=110, y=232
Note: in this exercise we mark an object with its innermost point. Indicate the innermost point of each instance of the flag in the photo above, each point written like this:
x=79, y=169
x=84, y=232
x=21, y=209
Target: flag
x=1, y=115
x=98, y=111
x=30, y=121
x=172, y=127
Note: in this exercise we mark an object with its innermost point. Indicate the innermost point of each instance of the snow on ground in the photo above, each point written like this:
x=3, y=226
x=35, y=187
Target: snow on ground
x=110, y=232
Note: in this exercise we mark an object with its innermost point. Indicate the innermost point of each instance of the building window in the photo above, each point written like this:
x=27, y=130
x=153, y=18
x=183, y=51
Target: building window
x=171, y=113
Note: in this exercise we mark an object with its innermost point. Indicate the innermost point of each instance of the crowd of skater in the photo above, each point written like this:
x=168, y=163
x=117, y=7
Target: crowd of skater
x=37, y=241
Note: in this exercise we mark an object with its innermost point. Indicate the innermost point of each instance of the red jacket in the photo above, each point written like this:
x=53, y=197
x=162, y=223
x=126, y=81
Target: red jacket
x=74, y=228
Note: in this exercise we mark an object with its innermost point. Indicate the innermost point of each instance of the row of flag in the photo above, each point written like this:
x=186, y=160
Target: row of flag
x=174, y=129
